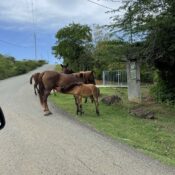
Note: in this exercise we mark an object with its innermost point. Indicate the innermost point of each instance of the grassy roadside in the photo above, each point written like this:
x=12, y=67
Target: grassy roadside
x=154, y=137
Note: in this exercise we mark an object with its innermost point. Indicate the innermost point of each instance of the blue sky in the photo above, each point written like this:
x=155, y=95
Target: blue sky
x=17, y=24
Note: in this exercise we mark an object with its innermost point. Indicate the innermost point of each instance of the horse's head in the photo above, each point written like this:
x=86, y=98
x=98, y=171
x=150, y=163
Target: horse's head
x=88, y=77
x=66, y=70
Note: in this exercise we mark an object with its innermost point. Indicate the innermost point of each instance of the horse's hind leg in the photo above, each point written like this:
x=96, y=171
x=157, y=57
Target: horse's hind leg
x=35, y=87
x=96, y=105
x=46, y=108
x=41, y=98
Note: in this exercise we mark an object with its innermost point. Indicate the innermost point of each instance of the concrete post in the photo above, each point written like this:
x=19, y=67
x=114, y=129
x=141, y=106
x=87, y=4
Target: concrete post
x=133, y=78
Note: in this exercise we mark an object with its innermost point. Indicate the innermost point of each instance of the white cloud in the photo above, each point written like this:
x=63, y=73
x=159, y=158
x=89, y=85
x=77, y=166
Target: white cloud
x=51, y=14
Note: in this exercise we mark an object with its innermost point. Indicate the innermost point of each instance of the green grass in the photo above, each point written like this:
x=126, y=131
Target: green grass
x=154, y=137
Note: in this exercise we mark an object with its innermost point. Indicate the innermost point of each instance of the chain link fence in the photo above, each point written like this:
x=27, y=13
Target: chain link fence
x=116, y=78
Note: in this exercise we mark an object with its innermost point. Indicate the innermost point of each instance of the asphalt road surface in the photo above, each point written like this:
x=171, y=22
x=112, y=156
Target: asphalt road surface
x=33, y=144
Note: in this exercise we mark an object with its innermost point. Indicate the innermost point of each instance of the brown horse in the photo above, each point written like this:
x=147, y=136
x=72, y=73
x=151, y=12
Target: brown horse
x=36, y=81
x=2, y=119
x=49, y=80
x=80, y=90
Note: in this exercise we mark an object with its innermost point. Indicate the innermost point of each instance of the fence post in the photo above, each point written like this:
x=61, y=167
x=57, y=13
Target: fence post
x=133, y=78
x=103, y=77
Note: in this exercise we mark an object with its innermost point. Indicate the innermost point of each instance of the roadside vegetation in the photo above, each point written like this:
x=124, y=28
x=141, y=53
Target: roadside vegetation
x=154, y=137
x=10, y=67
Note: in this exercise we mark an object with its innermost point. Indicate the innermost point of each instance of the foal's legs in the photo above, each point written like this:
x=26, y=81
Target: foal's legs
x=91, y=97
x=96, y=104
x=80, y=104
x=77, y=105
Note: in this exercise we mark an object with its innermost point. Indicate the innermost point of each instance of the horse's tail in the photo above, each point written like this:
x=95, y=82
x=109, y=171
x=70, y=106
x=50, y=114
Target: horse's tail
x=2, y=119
x=31, y=79
x=41, y=87
x=69, y=87
x=96, y=92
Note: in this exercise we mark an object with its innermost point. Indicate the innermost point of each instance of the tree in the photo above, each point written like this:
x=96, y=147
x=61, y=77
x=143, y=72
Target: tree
x=108, y=55
x=71, y=44
x=153, y=21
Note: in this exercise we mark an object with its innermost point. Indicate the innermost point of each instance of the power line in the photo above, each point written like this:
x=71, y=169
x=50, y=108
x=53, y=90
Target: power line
x=101, y=5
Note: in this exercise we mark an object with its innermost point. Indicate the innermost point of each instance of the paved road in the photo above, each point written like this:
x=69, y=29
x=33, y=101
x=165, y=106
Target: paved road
x=32, y=144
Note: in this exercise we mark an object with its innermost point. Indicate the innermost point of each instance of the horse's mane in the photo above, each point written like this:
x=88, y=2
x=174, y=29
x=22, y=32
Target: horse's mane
x=70, y=87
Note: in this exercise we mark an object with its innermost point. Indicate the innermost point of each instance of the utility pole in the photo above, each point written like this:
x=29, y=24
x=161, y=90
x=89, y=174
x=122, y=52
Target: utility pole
x=34, y=31
x=34, y=34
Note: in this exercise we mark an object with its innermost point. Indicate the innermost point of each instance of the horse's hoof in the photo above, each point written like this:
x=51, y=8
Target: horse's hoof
x=47, y=113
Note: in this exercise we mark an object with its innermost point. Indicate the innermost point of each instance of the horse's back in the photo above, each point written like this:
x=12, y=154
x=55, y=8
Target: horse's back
x=89, y=90
x=52, y=79
x=49, y=79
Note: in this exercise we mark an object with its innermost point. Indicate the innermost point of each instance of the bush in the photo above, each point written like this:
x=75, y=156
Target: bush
x=10, y=67
x=162, y=92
